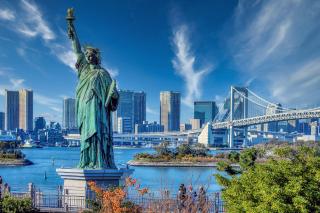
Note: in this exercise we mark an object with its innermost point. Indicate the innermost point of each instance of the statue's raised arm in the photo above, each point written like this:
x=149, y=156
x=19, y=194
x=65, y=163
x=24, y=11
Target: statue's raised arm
x=72, y=32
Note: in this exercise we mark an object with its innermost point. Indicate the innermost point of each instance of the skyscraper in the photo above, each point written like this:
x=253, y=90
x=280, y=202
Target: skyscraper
x=170, y=110
x=205, y=111
x=39, y=123
x=139, y=107
x=11, y=105
x=69, y=117
x=2, y=119
x=26, y=109
x=125, y=108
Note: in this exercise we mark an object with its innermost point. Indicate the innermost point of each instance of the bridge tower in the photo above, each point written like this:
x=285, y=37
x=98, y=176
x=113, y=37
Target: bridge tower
x=238, y=110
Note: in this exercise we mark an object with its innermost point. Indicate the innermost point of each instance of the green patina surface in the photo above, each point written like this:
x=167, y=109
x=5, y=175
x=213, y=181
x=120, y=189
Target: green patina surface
x=96, y=98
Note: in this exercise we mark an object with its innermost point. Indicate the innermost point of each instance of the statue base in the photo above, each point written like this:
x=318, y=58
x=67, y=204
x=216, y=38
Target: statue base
x=76, y=192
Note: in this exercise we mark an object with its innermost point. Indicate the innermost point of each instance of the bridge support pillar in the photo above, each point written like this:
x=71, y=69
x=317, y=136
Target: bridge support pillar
x=231, y=134
x=245, y=134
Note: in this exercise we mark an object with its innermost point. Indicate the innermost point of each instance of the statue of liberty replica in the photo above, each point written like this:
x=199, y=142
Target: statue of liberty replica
x=96, y=98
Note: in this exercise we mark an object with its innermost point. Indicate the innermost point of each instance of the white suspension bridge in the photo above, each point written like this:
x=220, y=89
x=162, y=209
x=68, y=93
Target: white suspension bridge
x=241, y=109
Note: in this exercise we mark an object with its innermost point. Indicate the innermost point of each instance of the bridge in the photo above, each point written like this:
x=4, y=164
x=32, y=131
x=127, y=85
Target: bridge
x=243, y=108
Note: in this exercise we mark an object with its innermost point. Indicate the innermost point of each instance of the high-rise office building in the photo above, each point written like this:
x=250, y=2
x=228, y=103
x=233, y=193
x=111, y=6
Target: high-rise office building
x=11, y=105
x=69, y=117
x=170, y=110
x=185, y=127
x=124, y=125
x=2, y=119
x=39, y=123
x=26, y=109
x=205, y=111
x=139, y=99
x=195, y=123
x=125, y=108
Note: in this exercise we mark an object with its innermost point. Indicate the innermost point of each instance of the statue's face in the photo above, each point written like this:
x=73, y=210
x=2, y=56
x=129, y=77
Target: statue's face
x=92, y=56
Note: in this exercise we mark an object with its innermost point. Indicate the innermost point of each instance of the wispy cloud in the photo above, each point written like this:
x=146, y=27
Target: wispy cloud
x=112, y=71
x=276, y=42
x=151, y=111
x=7, y=14
x=34, y=24
x=52, y=103
x=184, y=63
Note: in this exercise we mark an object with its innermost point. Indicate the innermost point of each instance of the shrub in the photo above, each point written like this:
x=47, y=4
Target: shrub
x=234, y=156
x=286, y=184
x=17, y=205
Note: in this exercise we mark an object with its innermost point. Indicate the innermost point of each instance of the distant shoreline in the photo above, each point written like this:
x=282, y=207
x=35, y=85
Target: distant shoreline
x=15, y=162
x=175, y=164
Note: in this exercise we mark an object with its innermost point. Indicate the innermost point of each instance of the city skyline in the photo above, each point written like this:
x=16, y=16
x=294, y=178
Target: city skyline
x=242, y=46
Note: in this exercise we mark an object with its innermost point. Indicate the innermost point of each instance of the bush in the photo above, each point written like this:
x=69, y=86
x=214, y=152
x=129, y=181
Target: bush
x=286, y=184
x=234, y=156
x=247, y=158
x=17, y=205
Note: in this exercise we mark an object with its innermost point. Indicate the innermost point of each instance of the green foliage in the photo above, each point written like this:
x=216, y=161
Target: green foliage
x=17, y=205
x=143, y=155
x=289, y=183
x=247, y=158
x=163, y=148
x=225, y=166
x=184, y=149
x=9, y=150
x=234, y=156
x=200, y=150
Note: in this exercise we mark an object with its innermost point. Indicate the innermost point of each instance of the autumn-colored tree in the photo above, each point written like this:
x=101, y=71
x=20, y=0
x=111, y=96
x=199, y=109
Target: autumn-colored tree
x=113, y=200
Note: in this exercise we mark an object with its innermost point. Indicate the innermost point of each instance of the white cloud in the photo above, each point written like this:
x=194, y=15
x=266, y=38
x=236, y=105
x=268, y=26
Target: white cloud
x=151, y=111
x=64, y=54
x=275, y=42
x=17, y=83
x=112, y=71
x=7, y=14
x=184, y=64
x=34, y=24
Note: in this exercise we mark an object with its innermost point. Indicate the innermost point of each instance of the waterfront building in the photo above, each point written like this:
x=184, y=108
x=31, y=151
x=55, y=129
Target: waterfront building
x=170, y=110
x=124, y=125
x=139, y=107
x=314, y=130
x=125, y=110
x=270, y=110
x=2, y=119
x=195, y=123
x=11, y=102
x=69, y=117
x=205, y=111
x=114, y=121
x=26, y=109
x=148, y=127
x=185, y=127
x=304, y=126
x=39, y=123
x=132, y=105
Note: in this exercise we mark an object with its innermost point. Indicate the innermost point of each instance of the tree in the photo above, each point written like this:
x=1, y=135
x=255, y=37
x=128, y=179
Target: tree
x=184, y=149
x=234, y=156
x=247, y=158
x=163, y=148
x=288, y=182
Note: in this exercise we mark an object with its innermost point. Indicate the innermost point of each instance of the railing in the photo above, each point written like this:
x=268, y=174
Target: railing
x=70, y=203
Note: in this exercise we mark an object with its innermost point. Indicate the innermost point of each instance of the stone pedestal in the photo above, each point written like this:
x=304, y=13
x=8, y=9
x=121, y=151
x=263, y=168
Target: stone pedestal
x=75, y=189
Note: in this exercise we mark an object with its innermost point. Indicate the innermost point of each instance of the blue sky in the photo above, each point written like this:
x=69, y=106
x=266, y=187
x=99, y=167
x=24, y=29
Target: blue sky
x=199, y=48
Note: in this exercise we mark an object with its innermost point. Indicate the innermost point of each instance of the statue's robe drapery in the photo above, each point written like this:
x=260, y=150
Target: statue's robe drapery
x=96, y=97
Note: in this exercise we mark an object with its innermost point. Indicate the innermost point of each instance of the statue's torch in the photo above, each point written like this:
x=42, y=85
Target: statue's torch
x=70, y=18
